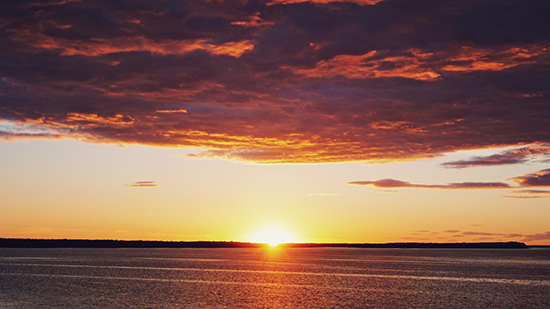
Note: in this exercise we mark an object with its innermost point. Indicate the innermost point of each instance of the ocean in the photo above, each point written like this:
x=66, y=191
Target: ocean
x=275, y=278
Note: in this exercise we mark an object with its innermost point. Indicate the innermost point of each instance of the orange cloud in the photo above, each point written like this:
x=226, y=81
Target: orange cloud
x=371, y=65
x=172, y=111
x=253, y=21
x=101, y=46
x=424, y=66
x=471, y=59
x=95, y=120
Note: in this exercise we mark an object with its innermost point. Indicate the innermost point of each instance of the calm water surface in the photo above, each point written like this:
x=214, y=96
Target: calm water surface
x=274, y=278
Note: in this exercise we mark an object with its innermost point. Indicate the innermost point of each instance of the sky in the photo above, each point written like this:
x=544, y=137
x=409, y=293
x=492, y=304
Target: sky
x=331, y=121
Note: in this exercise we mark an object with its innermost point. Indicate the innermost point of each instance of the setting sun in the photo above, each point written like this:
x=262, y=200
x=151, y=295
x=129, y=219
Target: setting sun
x=273, y=236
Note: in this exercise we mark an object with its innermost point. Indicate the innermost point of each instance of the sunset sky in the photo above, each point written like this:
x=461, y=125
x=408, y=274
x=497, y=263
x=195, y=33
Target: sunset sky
x=332, y=121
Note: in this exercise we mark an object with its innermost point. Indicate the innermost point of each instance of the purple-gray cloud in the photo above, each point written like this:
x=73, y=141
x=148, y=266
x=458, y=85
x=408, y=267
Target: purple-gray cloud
x=537, y=179
x=477, y=233
x=538, y=236
x=280, y=80
x=392, y=183
x=508, y=157
x=143, y=184
x=526, y=196
x=532, y=191
x=531, y=194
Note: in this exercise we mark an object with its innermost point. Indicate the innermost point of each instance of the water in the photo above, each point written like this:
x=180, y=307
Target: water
x=274, y=278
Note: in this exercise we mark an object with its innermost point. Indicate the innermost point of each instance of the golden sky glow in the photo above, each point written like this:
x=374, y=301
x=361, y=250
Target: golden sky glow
x=337, y=121
x=273, y=236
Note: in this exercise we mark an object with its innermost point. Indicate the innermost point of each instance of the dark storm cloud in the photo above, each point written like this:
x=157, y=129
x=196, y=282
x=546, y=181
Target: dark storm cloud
x=282, y=80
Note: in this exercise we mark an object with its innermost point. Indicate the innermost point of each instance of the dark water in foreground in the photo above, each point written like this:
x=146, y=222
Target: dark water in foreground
x=274, y=278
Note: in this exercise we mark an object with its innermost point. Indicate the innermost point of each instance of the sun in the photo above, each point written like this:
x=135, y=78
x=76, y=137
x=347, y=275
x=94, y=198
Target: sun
x=273, y=236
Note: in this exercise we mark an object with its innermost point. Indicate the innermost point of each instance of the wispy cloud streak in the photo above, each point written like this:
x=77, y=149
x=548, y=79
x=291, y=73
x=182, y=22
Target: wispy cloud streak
x=392, y=183
x=537, y=179
x=508, y=157
x=143, y=184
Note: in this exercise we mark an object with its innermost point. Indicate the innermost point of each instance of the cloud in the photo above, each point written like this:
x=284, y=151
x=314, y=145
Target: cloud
x=532, y=191
x=10, y=130
x=385, y=191
x=143, y=184
x=537, y=236
x=537, y=179
x=284, y=81
x=483, y=238
x=95, y=47
x=50, y=3
x=172, y=111
x=498, y=236
x=371, y=66
x=526, y=196
x=451, y=231
x=392, y=183
x=477, y=233
x=508, y=157
x=359, y=2
x=494, y=235
x=514, y=235
x=423, y=66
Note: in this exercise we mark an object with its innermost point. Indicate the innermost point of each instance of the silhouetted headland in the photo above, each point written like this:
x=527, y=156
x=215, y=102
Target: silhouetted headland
x=107, y=243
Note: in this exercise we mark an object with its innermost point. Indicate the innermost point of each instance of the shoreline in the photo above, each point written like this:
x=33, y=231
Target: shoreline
x=111, y=243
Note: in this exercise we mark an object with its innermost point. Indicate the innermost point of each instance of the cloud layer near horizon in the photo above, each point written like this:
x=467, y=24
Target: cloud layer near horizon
x=486, y=235
x=393, y=183
x=537, y=179
x=280, y=81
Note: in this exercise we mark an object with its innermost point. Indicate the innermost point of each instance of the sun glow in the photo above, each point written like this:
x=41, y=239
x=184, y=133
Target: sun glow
x=273, y=236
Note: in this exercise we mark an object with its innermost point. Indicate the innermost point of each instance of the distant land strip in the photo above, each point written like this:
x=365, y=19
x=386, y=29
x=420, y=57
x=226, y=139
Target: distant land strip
x=109, y=243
